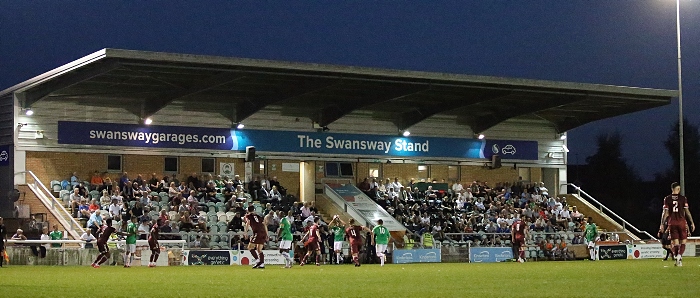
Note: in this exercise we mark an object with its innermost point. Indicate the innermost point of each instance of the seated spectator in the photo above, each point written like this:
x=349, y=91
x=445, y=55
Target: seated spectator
x=82, y=190
x=40, y=251
x=229, y=191
x=96, y=182
x=305, y=210
x=164, y=218
x=128, y=191
x=173, y=190
x=183, y=188
x=241, y=195
x=74, y=180
x=84, y=210
x=75, y=198
x=105, y=199
x=116, y=195
x=236, y=223
x=137, y=210
x=206, y=239
x=154, y=183
x=275, y=182
x=575, y=214
x=88, y=238
x=107, y=182
x=94, y=206
x=186, y=223
x=438, y=232
x=95, y=222
x=115, y=210
x=210, y=193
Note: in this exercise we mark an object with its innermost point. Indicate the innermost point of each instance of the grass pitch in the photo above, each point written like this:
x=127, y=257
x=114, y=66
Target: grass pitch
x=626, y=278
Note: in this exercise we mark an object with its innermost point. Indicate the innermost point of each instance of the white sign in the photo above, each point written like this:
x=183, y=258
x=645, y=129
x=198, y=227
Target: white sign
x=226, y=169
x=290, y=167
x=645, y=251
x=272, y=257
x=248, y=171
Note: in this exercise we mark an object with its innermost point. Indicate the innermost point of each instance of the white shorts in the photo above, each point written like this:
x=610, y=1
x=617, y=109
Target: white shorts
x=285, y=244
x=381, y=248
x=591, y=244
x=131, y=248
x=338, y=245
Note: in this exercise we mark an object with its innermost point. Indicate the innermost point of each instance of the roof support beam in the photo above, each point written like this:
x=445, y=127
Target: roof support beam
x=482, y=123
x=157, y=102
x=331, y=113
x=241, y=111
x=419, y=114
x=34, y=94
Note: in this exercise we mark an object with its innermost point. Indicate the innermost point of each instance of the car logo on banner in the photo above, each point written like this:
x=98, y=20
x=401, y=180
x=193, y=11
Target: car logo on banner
x=495, y=149
x=4, y=156
x=508, y=149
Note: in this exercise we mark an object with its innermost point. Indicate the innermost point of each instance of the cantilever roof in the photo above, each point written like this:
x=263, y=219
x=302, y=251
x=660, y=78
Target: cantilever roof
x=145, y=82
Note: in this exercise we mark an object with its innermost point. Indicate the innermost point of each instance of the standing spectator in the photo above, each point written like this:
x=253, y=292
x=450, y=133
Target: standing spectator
x=56, y=235
x=123, y=180
x=253, y=188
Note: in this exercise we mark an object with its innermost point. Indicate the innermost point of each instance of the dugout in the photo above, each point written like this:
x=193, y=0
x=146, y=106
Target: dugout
x=309, y=122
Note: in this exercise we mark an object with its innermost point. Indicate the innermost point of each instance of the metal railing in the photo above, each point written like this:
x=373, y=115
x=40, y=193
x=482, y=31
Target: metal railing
x=605, y=210
x=55, y=205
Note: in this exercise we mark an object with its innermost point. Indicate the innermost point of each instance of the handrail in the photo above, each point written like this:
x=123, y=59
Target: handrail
x=602, y=208
x=74, y=226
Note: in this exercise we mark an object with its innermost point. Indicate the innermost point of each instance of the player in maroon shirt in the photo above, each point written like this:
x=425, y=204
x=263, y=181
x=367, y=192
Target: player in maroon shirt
x=354, y=232
x=677, y=212
x=105, y=232
x=312, y=243
x=153, y=242
x=255, y=223
x=518, y=234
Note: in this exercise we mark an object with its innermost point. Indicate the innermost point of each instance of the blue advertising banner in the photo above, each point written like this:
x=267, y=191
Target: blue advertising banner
x=5, y=155
x=154, y=136
x=405, y=256
x=489, y=254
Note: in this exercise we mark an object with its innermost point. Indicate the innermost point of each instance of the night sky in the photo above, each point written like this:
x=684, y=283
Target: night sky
x=618, y=42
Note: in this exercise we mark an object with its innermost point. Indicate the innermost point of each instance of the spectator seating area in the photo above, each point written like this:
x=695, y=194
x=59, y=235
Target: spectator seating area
x=206, y=211
x=480, y=215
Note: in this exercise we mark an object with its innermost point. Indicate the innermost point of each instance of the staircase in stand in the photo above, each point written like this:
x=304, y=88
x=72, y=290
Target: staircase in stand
x=53, y=205
x=604, y=217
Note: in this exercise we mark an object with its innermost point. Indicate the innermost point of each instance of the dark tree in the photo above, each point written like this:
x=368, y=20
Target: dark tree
x=610, y=180
x=691, y=150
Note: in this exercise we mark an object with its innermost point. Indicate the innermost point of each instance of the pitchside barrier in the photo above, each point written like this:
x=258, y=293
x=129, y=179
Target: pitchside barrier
x=229, y=257
x=73, y=253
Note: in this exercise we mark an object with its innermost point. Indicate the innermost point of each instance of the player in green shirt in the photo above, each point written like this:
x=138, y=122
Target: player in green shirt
x=284, y=234
x=132, y=232
x=338, y=227
x=56, y=235
x=590, y=234
x=380, y=237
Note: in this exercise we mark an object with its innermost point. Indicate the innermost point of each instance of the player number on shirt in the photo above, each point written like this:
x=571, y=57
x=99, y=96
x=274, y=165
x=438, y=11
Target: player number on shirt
x=517, y=227
x=256, y=219
x=353, y=233
x=675, y=206
x=381, y=231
